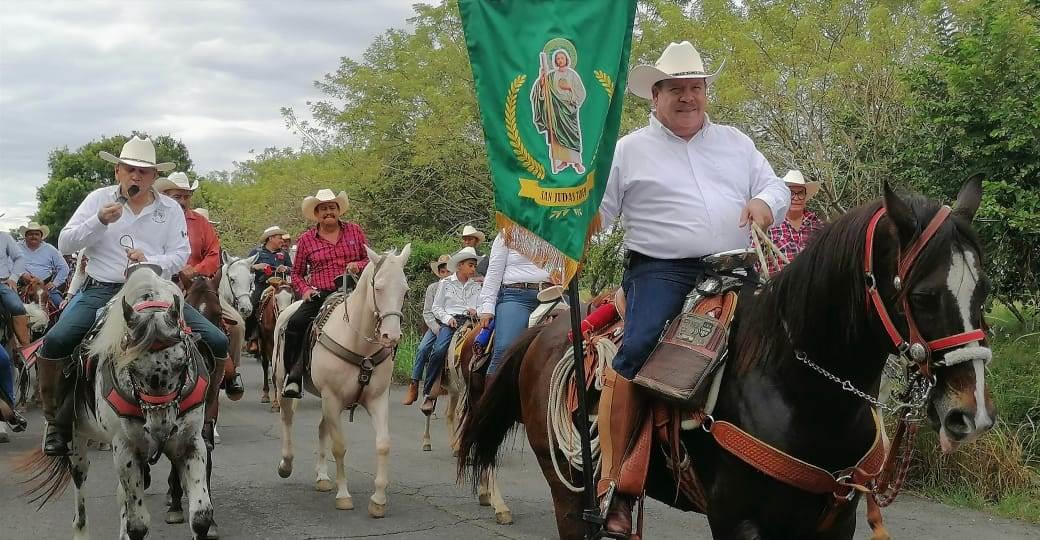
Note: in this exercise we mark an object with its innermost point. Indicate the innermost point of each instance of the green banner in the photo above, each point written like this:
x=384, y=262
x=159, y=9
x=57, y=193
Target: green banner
x=550, y=79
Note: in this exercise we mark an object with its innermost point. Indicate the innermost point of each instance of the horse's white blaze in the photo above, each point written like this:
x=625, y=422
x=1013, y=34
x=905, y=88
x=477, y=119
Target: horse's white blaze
x=962, y=281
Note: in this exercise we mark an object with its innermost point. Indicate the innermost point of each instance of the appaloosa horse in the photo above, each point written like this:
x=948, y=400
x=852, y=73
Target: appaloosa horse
x=143, y=388
x=275, y=300
x=806, y=355
x=352, y=364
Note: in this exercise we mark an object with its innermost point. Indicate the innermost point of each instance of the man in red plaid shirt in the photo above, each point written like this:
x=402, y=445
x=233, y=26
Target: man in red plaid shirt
x=792, y=234
x=323, y=254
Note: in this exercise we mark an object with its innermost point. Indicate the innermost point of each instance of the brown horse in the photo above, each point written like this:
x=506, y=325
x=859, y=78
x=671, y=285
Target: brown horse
x=202, y=293
x=277, y=297
x=812, y=318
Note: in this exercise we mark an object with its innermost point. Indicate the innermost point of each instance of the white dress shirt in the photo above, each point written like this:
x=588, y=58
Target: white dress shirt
x=680, y=198
x=506, y=267
x=159, y=231
x=455, y=298
x=427, y=312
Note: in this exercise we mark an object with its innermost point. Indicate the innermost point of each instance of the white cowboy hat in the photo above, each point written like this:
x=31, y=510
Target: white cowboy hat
x=795, y=178
x=434, y=265
x=678, y=61
x=549, y=294
x=33, y=226
x=271, y=231
x=463, y=254
x=323, y=196
x=137, y=152
x=205, y=213
x=470, y=230
x=177, y=180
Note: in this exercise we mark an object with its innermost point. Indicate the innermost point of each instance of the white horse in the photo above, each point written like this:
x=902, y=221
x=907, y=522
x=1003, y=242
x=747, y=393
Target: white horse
x=235, y=288
x=148, y=400
x=364, y=329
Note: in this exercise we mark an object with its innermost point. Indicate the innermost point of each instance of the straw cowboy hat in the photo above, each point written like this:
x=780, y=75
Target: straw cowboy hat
x=137, y=152
x=205, y=213
x=463, y=254
x=33, y=226
x=273, y=230
x=795, y=178
x=678, y=61
x=177, y=180
x=323, y=196
x=470, y=230
x=442, y=260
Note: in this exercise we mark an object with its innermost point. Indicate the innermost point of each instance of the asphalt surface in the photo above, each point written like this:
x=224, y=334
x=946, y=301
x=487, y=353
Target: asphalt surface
x=251, y=501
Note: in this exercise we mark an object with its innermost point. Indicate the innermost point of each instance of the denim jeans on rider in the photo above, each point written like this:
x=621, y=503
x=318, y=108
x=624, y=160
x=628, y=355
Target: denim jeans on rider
x=9, y=299
x=80, y=314
x=512, y=315
x=422, y=354
x=655, y=290
x=435, y=360
x=55, y=297
x=6, y=373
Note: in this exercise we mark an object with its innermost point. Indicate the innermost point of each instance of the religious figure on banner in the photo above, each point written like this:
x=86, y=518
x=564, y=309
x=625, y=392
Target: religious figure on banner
x=556, y=98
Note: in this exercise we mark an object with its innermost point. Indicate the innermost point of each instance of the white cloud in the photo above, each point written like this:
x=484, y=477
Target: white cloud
x=213, y=74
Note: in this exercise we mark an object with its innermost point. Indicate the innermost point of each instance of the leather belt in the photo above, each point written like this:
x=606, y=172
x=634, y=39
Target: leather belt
x=91, y=282
x=527, y=286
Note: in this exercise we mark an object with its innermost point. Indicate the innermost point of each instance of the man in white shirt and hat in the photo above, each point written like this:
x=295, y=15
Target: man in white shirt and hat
x=684, y=188
x=115, y=226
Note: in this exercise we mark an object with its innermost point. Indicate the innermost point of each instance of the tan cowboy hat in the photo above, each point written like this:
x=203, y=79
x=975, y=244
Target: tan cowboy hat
x=137, y=152
x=463, y=254
x=442, y=260
x=323, y=196
x=470, y=230
x=795, y=178
x=33, y=226
x=177, y=180
x=271, y=231
x=678, y=61
x=205, y=213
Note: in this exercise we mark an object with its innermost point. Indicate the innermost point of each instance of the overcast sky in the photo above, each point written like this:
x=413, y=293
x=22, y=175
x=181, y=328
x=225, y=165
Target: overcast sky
x=213, y=74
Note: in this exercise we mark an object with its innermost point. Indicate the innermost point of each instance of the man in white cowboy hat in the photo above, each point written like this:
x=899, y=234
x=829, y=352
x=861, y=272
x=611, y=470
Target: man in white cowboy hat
x=456, y=300
x=115, y=226
x=270, y=259
x=422, y=352
x=792, y=234
x=327, y=251
x=43, y=261
x=685, y=188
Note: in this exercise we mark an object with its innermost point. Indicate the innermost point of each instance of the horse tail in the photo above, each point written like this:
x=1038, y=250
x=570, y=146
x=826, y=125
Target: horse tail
x=495, y=414
x=48, y=476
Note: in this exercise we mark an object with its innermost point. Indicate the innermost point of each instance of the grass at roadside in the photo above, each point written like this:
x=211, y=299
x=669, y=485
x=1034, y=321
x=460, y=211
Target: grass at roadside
x=405, y=359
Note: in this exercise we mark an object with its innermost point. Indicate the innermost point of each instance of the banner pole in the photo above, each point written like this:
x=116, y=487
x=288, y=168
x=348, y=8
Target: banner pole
x=590, y=512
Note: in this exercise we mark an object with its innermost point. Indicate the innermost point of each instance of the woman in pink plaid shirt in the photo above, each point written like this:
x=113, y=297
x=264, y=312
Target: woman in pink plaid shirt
x=792, y=234
x=323, y=254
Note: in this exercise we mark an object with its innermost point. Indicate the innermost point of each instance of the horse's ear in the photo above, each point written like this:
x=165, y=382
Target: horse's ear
x=175, y=308
x=969, y=198
x=224, y=259
x=405, y=253
x=373, y=256
x=252, y=260
x=215, y=280
x=900, y=214
x=128, y=311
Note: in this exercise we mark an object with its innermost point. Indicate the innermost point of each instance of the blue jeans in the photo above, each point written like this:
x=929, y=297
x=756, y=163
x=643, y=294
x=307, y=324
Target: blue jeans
x=6, y=373
x=435, y=360
x=655, y=290
x=422, y=354
x=79, y=316
x=512, y=315
x=55, y=297
x=11, y=302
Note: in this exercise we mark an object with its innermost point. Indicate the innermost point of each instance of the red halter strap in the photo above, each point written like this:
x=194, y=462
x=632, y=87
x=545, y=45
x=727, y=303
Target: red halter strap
x=150, y=304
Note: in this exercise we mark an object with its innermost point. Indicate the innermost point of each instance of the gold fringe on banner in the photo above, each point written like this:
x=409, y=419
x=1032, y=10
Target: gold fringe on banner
x=561, y=268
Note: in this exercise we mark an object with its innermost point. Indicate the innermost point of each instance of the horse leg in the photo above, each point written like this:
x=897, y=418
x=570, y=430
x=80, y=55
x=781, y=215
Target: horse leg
x=331, y=408
x=503, y=515
x=80, y=465
x=135, y=518
x=427, y=444
x=322, y=482
x=379, y=409
x=174, y=510
x=285, y=466
x=193, y=468
x=265, y=365
x=450, y=417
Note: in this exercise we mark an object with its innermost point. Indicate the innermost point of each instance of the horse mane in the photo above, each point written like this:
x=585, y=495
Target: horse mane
x=142, y=284
x=819, y=300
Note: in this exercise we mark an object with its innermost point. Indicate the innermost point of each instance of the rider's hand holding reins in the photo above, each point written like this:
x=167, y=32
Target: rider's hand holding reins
x=453, y=323
x=757, y=211
x=485, y=320
x=136, y=255
x=110, y=213
x=353, y=268
x=309, y=295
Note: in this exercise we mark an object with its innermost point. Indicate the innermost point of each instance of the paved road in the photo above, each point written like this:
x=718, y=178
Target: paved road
x=251, y=501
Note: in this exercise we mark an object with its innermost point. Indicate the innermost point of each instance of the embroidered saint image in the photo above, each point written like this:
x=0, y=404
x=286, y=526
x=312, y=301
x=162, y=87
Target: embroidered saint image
x=556, y=99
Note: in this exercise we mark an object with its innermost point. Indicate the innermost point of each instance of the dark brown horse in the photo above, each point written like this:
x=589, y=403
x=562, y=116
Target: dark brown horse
x=277, y=297
x=202, y=293
x=817, y=306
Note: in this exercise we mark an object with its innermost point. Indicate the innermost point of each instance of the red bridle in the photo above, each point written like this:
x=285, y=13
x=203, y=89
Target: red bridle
x=916, y=348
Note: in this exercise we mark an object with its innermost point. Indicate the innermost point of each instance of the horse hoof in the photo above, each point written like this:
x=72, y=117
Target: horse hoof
x=276, y=407
x=427, y=447
x=376, y=510
x=323, y=485
x=173, y=517
x=284, y=468
x=504, y=518
x=484, y=499
x=265, y=398
x=212, y=534
x=344, y=503
x=454, y=452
